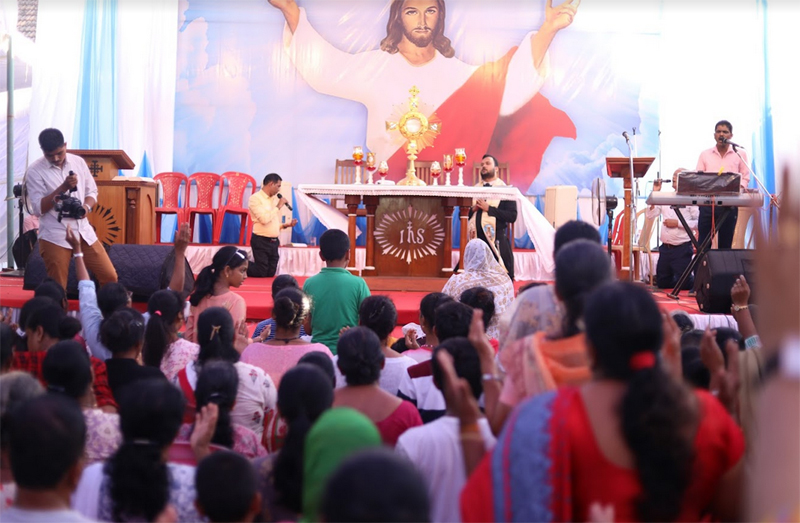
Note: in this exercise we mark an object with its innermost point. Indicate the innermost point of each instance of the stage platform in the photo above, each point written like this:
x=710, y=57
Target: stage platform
x=257, y=294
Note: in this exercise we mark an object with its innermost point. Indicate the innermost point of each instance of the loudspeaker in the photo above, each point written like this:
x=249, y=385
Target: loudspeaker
x=142, y=269
x=715, y=275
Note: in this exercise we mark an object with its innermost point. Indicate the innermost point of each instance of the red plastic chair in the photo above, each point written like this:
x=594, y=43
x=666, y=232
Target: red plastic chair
x=174, y=193
x=205, y=184
x=237, y=185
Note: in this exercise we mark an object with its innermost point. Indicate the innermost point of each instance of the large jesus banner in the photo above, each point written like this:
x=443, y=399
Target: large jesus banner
x=290, y=86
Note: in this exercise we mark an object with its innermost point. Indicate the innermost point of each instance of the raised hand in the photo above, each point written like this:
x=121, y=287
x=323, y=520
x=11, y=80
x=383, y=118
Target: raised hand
x=182, y=238
x=671, y=349
x=205, y=423
x=264, y=334
x=557, y=18
x=740, y=292
x=710, y=353
x=458, y=392
x=290, y=12
x=411, y=339
x=73, y=240
x=478, y=338
x=729, y=381
x=242, y=340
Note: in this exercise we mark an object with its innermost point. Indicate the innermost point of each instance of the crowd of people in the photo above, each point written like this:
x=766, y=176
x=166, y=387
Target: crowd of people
x=577, y=400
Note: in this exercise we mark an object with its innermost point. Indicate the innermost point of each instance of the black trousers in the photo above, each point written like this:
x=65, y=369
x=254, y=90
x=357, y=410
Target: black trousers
x=265, y=254
x=506, y=252
x=672, y=261
x=725, y=235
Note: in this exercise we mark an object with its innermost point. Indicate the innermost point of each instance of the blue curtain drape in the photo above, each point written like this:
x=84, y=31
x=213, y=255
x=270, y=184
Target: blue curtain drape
x=96, y=113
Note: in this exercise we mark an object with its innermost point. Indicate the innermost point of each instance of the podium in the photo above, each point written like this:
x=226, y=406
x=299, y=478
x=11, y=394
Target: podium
x=126, y=205
x=621, y=168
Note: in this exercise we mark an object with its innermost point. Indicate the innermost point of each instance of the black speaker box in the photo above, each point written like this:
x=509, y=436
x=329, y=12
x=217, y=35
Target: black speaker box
x=142, y=269
x=715, y=275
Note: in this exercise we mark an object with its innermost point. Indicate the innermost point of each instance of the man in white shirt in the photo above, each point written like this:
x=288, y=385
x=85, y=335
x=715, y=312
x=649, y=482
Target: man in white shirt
x=435, y=448
x=59, y=174
x=47, y=436
x=675, y=252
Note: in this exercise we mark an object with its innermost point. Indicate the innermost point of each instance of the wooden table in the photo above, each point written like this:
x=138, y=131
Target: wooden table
x=409, y=229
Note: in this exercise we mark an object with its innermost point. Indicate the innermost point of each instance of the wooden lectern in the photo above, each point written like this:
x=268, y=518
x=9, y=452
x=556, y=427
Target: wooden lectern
x=620, y=168
x=125, y=207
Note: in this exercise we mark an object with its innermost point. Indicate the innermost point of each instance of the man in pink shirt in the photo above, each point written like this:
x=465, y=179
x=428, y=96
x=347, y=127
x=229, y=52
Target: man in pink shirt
x=721, y=158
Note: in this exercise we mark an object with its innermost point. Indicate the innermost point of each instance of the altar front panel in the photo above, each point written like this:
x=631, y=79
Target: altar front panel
x=409, y=237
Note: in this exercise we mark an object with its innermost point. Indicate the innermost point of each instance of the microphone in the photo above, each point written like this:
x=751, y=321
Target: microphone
x=72, y=173
x=279, y=195
x=725, y=140
x=625, y=134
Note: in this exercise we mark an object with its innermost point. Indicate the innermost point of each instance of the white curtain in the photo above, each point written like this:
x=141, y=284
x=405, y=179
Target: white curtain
x=148, y=47
x=56, y=70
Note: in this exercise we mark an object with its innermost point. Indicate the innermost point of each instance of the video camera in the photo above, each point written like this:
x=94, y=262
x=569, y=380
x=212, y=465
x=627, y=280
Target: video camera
x=69, y=206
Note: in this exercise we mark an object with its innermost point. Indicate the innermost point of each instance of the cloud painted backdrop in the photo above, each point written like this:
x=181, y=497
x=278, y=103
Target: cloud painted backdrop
x=242, y=105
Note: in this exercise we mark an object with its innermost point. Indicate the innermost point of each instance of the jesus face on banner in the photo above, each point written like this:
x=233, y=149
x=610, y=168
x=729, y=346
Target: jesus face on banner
x=421, y=22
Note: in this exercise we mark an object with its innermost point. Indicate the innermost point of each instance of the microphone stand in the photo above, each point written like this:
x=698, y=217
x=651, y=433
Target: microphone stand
x=773, y=200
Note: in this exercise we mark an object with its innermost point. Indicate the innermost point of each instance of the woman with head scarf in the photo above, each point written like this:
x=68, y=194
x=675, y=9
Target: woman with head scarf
x=337, y=434
x=481, y=269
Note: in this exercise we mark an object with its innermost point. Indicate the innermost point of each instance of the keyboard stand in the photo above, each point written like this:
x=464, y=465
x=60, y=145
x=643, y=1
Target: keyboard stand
x=701, y=249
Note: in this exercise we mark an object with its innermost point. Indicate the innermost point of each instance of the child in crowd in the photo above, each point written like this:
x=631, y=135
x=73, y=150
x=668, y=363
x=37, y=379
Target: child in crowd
x=163, y=348
x=335, y=293
x=95, y=305
x=218, y=383
x=281, y=282
x=286, y=346
x=213, y=288
x=426, y=321
x=256, y=392
x=452, y=319
x=123, y=334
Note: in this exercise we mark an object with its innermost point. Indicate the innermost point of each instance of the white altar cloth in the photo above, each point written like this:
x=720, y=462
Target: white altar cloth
x=541, y=232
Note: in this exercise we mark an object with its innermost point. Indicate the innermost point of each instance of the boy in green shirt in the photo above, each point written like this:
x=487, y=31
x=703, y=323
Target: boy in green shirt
x=336, y=294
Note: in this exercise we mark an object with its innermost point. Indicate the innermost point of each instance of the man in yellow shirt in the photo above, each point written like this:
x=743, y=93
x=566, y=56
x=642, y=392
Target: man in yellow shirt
x=265, y=212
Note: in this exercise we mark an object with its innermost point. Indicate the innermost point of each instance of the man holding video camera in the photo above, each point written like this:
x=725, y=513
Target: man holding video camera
x=61, y=191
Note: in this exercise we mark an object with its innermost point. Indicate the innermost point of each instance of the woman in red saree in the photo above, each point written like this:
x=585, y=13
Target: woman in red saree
x=632, y=438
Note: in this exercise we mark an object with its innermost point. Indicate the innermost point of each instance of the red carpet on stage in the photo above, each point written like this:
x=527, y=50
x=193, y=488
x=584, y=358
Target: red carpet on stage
x=257, y=294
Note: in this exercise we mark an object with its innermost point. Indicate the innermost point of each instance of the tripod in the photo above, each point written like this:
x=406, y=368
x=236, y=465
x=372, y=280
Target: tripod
x=20, y=271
